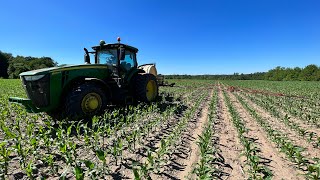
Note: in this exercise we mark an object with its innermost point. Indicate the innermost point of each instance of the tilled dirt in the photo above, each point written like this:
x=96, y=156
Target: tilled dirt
x=310, y=128
x=276, y=162
x=140, y=152
x=185, y=155
x=226, y=139
x=310, y=150
x=229, y=143
x=196, y=130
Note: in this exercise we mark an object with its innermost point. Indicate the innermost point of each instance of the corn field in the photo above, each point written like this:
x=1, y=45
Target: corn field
x=196, y=130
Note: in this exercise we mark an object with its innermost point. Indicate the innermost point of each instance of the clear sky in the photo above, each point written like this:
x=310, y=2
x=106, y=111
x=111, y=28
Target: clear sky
x=181, y=37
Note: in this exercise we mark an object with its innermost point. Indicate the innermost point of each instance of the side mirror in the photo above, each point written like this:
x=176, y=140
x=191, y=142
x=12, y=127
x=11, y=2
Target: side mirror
x=122, y=53
x=86, y=56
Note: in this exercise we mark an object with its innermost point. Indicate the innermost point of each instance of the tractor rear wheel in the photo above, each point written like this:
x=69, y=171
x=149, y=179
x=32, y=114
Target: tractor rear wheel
x=87, y=99
x=145, y=87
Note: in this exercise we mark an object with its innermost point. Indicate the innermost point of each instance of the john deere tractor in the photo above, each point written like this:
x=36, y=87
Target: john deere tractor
x=87, y=89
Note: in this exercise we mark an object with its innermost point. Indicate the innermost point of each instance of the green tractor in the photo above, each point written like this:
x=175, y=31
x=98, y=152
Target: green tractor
x=87, y=89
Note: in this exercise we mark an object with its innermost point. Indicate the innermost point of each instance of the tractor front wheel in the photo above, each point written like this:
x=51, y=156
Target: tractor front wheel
x=145, y=87
x=85, y=100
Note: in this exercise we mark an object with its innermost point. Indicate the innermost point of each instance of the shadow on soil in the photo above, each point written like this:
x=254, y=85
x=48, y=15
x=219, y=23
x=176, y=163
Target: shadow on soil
x=164, y=102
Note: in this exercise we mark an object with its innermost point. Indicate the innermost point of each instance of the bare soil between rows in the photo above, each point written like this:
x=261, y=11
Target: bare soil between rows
x=309, y=150
x=186, y=154
x=228, y=143
x=276, y=162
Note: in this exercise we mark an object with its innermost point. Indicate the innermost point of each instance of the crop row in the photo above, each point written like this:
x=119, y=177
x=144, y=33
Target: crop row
x=297, y=88
x=292, y=151
x=208, y=166
x=40, y=147
x=284, y=118
x=256, y=168
x=296, y=107
x=157, y=159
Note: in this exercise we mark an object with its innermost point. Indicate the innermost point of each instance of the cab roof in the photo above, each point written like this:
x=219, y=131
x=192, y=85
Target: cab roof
x=115, y=45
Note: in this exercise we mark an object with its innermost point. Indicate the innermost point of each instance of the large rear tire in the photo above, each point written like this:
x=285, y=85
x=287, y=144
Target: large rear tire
x=87, y=99
x=146, y=87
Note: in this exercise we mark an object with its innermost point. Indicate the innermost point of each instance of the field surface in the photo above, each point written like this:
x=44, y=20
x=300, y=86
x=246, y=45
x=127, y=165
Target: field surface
x=196, y=130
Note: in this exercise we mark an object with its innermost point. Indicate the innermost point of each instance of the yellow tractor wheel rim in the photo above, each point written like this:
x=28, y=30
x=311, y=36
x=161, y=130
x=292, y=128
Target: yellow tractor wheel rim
x=151, y=90
x=91, y=103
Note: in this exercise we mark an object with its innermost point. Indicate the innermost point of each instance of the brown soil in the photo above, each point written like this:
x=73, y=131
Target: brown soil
x=303, y=124
x=310, y=151
x=258, y=91
x=140, y=154
x=186, y=154
x=180, y=165
x=229, y=143
x=280, y=167
x=196, y=130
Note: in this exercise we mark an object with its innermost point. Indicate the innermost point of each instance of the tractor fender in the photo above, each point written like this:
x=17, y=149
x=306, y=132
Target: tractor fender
x=102, y=83
x=133, y=73
x=80, y=80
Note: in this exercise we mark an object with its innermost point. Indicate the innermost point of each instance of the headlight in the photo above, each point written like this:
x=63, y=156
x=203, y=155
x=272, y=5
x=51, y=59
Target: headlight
x=33, y=78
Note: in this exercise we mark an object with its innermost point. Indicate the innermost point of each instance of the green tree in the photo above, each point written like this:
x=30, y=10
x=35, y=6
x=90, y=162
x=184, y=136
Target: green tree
x=4, y=64
x=317, y=75
x=21, y=64
x=309, y=73
x=292, y=74
x=16, y=66
x=276, y=74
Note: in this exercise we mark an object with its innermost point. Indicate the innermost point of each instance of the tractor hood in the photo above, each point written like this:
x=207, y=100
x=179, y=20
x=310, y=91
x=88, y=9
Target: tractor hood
x=39, y=71
x=61, y=68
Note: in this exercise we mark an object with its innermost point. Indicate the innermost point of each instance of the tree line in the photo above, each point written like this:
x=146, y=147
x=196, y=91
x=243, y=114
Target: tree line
x=11, y=66
x=308, y=73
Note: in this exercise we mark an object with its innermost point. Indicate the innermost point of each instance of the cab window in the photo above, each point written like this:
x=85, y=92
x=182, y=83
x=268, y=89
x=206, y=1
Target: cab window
x=129, y=61
x=107, y=57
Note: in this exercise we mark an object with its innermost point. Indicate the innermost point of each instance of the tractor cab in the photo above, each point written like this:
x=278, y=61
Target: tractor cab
x=120, y=58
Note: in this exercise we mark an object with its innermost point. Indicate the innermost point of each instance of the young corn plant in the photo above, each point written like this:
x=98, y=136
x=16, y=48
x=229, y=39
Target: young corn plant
x=257, y=170
x=79, y=172
x=142, y=171
x=21, y=151
x=102, y=156
x=267, y=104
x=50, y=161
x=207, y=167
x=169, y=144
x=5, y=158
x=158, y=159
x=314, y=170
x=117, y=150
x=30, y=168
x=293, y=152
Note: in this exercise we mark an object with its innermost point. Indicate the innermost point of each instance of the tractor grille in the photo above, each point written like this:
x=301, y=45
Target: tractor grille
x=38, y=91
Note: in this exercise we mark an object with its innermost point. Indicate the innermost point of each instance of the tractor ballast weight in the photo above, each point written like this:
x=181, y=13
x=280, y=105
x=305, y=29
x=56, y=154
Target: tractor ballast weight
x=87, y=89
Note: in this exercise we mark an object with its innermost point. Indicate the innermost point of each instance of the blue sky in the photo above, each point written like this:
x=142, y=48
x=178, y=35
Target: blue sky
x=181, y=37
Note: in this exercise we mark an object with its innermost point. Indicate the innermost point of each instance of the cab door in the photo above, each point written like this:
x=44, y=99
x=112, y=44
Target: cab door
x=127, y=64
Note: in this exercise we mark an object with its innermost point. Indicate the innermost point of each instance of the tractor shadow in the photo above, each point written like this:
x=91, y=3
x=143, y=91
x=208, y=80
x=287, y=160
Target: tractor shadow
x=163, y=102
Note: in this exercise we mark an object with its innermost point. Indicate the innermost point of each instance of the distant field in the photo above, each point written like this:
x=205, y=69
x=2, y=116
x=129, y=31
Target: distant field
x=198, y=129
